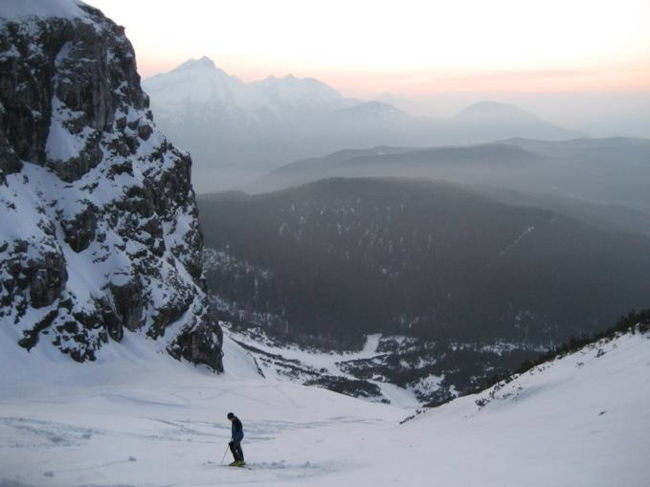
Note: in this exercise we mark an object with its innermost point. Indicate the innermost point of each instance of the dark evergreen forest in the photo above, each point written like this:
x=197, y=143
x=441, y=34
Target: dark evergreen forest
x=340, y=258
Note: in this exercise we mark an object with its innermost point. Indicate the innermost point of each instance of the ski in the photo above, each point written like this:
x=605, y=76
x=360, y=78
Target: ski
x=246, y=465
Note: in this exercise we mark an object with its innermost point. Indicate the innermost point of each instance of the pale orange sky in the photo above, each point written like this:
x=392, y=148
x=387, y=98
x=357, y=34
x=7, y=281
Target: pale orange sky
x=364, y=47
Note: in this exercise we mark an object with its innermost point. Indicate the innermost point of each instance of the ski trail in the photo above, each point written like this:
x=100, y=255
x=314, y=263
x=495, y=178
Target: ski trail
x=519, y=238
x=93, y=467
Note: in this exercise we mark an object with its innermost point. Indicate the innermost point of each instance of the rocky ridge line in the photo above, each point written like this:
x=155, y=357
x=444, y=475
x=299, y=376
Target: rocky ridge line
x=99, y=228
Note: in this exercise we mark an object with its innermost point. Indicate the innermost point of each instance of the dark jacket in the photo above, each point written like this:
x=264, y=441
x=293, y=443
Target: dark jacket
x=237, y=430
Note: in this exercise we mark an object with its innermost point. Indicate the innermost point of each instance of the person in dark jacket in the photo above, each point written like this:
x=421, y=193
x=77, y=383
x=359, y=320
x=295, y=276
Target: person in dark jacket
x=235, y=441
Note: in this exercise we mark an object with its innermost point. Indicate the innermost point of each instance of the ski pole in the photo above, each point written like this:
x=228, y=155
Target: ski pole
x=224, y=455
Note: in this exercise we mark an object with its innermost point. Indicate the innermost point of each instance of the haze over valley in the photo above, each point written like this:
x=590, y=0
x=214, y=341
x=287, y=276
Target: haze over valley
x=216, y=115
x=421, y=259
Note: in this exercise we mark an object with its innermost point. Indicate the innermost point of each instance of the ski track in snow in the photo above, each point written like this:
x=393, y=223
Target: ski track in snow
x=150, y=421
x=516, y=241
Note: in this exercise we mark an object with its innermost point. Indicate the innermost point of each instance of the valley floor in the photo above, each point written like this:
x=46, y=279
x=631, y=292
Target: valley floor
x=139, y=418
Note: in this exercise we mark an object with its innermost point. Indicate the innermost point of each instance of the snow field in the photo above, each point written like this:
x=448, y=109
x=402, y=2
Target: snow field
x=139, y=418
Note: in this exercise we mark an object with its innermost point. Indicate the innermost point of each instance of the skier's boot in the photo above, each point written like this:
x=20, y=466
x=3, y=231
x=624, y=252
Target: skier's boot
x=234, y=464
x=240, y=463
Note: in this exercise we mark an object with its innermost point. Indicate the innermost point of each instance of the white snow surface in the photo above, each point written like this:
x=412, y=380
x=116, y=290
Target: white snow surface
x=198, y=85
x=326, y=362
x=138, y=418
x=15, y=9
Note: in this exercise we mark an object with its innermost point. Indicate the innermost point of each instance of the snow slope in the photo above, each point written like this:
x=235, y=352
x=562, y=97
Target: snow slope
x=580, y=421
x=291, y=363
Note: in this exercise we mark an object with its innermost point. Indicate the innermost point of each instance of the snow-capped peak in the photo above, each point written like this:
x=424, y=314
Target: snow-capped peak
x=195, y=70
x=292, y=87
x=195, y=81
x=203, y=62
x=201, y=82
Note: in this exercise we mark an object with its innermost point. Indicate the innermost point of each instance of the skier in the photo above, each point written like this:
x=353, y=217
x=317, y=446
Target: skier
x=235, y=441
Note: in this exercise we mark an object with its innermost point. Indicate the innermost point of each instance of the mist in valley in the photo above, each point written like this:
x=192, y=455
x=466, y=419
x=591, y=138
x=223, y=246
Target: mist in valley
x=580, y=159
x=395, y=242
x=428, y=193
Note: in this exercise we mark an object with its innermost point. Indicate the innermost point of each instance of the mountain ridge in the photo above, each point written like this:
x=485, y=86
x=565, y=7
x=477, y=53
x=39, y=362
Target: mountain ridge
x=292, y=118
x=573, y=169
x=100, y=233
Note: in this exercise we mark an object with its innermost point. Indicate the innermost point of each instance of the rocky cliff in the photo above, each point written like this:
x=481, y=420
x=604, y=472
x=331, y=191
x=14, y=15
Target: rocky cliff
x=99, y=230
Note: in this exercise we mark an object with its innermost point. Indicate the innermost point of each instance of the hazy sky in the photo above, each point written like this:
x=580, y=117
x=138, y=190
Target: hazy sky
x=407, y=46
x=584, y=64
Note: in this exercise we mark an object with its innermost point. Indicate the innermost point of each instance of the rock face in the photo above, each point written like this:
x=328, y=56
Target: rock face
x=99, y=230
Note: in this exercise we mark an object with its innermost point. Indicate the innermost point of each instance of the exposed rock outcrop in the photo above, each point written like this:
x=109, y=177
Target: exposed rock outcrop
x=99, y=230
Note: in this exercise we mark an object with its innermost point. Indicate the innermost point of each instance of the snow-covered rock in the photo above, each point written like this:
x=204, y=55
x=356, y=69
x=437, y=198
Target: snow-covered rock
x=99, y=227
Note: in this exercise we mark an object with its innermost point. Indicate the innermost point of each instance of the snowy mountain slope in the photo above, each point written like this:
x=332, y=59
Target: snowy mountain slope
x=372, y=112
x=139, y=418
x=216, y=116
x=327, y=369
x=208, y=80
x=290, y=93
x=391, y=369
x=197, y=93
x=99, y=231
x=581, y=420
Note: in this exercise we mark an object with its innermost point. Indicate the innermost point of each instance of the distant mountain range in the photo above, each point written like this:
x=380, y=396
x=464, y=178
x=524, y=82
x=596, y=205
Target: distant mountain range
x=488, y=121
x=602, y=181
x=236, y=131
x=201, y=82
